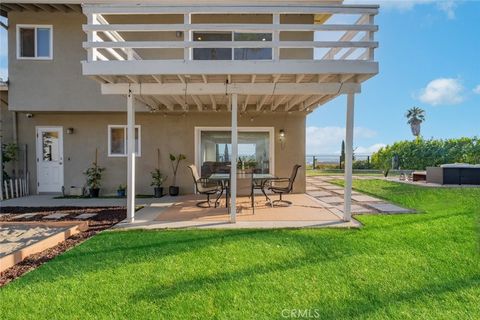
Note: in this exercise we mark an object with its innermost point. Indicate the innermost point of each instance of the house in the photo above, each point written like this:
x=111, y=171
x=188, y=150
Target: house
x=123, y=82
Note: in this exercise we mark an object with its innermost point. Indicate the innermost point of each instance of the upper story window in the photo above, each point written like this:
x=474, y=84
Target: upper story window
x=34, y=42
x=229, y=53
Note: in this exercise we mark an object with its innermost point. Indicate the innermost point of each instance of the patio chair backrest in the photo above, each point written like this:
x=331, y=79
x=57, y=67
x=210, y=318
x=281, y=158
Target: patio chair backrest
x=195, y=175
x=293, y=176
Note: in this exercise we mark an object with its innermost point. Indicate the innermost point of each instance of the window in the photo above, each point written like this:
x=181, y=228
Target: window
x=229, y=53
x=34, y=42
x=117, y=141
x=255, y=150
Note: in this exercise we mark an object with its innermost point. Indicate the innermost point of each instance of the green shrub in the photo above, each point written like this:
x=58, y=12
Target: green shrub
x=420, y=153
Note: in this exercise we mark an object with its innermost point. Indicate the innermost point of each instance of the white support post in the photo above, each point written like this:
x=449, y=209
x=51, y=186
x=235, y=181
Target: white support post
x=233, y=161
x=276, y=37
x=347, y=209
x=131, y=158
x=187, y=36
x=371, y=37
x=92, y=37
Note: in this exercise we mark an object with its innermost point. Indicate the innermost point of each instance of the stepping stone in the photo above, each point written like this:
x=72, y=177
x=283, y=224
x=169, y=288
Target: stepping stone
x=332, y=187
x=55, y=216
x=365, y=198
x=85, y=216
x=311, y=188
x=331, y=199
x=355, y=208
x=388, y=208
x=25, y=215
x=342, y=192
x=319, y=193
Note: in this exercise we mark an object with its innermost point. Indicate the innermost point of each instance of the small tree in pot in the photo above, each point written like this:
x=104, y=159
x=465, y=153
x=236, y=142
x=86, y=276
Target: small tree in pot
x=157, y=181
x=94, y=177
x=175, y=161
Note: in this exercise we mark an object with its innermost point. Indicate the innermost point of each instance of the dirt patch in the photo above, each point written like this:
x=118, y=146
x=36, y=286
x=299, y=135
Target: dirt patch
x=105, y=218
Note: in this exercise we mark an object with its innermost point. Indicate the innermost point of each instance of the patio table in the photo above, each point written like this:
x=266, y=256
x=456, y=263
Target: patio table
x=259, y=179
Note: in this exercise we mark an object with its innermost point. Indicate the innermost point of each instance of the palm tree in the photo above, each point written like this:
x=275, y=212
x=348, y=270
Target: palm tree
x=415, y=118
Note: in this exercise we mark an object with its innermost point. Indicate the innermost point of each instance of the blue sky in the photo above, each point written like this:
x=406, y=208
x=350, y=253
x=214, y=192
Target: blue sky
x=429, y=57
x=420, y=43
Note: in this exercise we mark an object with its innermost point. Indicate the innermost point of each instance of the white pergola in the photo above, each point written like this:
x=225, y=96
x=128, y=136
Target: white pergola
x=116, y=59
x=279, y=85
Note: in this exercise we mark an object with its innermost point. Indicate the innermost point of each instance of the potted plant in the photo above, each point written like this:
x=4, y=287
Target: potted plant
x=121, y=191
x=94, y=177
x=157, y=182
x=174, y=190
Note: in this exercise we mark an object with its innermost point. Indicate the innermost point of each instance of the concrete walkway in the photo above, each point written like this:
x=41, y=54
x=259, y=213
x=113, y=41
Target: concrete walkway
x=331, y=195
x=50, y=201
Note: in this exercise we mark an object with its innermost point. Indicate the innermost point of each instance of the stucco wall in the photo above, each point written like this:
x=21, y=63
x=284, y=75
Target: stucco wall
x=58, y=84
x=171, y=134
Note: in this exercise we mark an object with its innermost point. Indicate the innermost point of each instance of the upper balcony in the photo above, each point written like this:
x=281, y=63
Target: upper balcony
x=144, y=42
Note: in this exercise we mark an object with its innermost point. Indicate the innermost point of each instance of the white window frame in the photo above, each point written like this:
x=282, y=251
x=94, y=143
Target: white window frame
x=124, y=127
x=34, y=26
x=198, y=136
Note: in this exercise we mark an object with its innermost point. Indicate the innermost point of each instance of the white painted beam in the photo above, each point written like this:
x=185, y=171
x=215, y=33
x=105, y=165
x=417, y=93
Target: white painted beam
x=177, y=89
x=173, y=67
x=251, y=27
x=228, y=9
x=229, y=44
x=198, y=103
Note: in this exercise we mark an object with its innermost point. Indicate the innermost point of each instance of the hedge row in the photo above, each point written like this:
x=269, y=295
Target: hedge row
x=419, y=154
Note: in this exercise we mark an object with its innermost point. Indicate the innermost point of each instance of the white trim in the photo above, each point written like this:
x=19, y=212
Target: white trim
x=124, y=127
x=35, y=27
x=271, y=150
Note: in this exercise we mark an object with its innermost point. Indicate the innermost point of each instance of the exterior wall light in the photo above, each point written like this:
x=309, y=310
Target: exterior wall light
x=70, y=130
x=282, y=133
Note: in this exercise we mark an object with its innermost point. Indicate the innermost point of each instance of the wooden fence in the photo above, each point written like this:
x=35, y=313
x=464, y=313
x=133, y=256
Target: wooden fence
x=14, y=188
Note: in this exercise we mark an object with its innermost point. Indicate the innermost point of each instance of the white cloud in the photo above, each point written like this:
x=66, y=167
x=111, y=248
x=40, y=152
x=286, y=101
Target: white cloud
x=371, y=149
x=477, y=89
x=442, y=91
x=446, y=6
x=328, y=140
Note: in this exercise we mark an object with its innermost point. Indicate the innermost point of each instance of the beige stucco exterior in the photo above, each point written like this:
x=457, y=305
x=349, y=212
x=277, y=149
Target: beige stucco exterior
x=57, y=94
x=58, y=84
x=170, y=134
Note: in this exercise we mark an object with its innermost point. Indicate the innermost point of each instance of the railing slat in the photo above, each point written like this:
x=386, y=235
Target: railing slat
x=230, y=44
x=227, y=27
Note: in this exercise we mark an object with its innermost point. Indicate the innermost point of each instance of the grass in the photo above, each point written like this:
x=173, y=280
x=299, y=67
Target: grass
x=418, y=266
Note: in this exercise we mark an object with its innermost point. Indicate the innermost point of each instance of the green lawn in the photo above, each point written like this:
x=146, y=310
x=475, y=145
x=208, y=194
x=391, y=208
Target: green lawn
x=419, y=266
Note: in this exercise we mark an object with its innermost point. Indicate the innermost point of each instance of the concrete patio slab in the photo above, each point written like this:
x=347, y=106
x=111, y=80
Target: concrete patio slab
x=319, y=193
x=356, y=208
x=342, y=192
x=365, y=198
x=50, y=201
x=26, y=215
x=331, y=199
x=55, y=216
x=85, y=216
x=333, y=187
x=389, y=208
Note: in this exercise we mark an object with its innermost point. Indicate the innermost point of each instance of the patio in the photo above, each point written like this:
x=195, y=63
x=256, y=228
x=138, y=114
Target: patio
x=306, y=211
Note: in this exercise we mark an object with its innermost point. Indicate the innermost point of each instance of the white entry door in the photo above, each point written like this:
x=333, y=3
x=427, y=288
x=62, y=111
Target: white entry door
x=49, y=159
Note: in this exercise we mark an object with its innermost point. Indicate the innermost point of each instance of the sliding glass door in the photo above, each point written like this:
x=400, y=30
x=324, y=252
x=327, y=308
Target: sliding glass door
x=254, y=150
